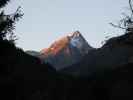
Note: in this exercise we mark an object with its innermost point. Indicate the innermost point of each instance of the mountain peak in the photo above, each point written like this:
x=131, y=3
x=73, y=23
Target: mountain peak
x=74, y=39
x=76, y=33
x=78, y=41
x=71, y=48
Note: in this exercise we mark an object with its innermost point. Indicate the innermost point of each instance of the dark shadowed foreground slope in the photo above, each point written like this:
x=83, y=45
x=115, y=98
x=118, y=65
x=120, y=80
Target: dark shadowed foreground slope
x=17, y=68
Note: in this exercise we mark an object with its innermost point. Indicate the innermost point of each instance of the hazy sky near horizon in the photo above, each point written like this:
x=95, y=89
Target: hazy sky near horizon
x=45, y=21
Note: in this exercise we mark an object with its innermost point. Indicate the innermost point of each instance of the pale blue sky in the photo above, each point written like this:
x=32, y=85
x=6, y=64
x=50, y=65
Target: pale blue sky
x=44, y=21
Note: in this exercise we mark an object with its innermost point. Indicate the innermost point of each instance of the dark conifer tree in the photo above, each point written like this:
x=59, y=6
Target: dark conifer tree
x=7, y=22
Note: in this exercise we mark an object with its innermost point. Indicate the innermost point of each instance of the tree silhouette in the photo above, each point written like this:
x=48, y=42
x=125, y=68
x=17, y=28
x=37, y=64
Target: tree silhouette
x=3, y=3
x=7, y=22
x=126, y=22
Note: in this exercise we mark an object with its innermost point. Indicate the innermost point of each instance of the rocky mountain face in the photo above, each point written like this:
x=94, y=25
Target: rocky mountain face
x=66, y=51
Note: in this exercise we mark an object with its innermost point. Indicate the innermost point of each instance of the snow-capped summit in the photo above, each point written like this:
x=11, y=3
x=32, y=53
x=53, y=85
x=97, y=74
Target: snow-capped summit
x=66, y=51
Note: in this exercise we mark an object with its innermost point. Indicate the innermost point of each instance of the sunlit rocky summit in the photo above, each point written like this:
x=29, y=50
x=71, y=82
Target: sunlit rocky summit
x=66, y=51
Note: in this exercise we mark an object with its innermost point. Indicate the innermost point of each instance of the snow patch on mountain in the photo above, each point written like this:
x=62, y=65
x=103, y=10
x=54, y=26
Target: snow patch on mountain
x=76, y=42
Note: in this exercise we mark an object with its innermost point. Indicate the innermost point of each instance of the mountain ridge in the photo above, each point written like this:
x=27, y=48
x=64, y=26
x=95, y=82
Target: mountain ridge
x=72, y=48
